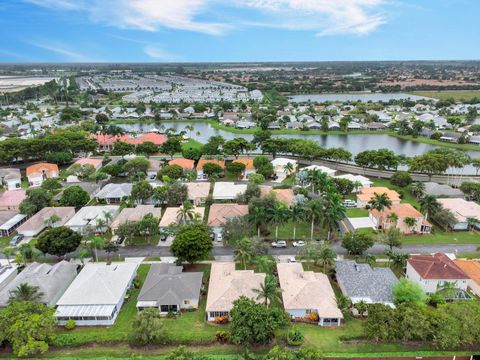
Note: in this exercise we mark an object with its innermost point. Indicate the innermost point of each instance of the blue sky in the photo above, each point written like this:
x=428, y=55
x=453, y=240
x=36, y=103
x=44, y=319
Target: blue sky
x=237, y=30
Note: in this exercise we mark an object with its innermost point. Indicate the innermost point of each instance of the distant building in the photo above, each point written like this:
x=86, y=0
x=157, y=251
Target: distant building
x=10, y=178
x=37, y=173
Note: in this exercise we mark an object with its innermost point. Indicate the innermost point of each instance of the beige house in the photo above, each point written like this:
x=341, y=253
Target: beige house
x=220, y=213
x=285, y=196
x=135, y=214
x=198, y=192
x=226, y=285
x=384, y=220
x=306, y=292
x=11, y=199
x=172, y=216
x=47, y=217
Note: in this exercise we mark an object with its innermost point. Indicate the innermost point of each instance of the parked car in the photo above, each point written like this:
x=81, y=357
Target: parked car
x=292, y=259
x=349, y=203
x=16, y=240
x=163, y=237
x=279, y=244
x=299, y=243
x=118, y=240
x=219, y=237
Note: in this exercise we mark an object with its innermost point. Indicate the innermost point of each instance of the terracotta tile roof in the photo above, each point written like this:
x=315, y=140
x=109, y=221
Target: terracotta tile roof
x=402, y=210
x=471, y=268
x=89, y=161
x=438, y=266
x=366, y=194
x=41, y=167
x=157, y=139
x=202, y=162
x=285, y=196
x=185, y=164
x=220, y=213
x=247, y=162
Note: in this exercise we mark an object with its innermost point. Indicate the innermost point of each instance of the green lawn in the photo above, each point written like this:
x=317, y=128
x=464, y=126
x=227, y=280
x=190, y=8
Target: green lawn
x=285, y=232
x=441, y=237
x=5, y=240
x=447, y=94
x=356, y=212
x=192, y=143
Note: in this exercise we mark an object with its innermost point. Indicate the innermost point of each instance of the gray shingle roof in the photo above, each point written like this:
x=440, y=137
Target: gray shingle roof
x=168, y=285
x=361, y=280
x=442, y=190
x=117, y=191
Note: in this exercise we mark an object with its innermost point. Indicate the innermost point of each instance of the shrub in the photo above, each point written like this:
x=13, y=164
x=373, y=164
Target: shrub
x=70, y=324
x=221, y=320
x=280, y=318
x=312, y=317
x=401, y=178
x=294, y=336
x=222, y=336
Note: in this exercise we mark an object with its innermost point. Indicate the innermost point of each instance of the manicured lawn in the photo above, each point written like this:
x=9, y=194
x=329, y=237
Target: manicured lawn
x=447, y=94
x=285, y=232
x=192, y=143
x=442, y=237
x=356, y=212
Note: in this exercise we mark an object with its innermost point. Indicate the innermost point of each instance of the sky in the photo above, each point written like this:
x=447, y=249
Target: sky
x=238, y=30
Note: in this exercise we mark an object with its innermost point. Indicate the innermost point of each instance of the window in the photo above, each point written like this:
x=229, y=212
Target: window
x=186, y=302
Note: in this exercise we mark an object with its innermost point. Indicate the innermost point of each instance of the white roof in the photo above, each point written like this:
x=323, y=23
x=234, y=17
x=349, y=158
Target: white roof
x=88, y=215
x=324, y=169
x=99, y=284
x=283, y=161
x=361, y=223
x=353, y=178
x=228, y=190
x=12, y=222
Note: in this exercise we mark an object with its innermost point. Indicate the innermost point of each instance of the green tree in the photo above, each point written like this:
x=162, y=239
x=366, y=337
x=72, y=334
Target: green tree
x=192, y=243
x=279, y=216
x=35, y=201
x=418, y=189
x=172, y=171
x=172, y=146
x=401, y=178
x=269, y=291
x=51, y=184
x=212, y=169
x=236, y=169
x=380, y=201
x=391, y=237
x=58, y=241
x=180, y=353
x=297, y=214
x=429, y=205
x=263, y=166
x=137, y=165
x=147, y=148
x=357, y=243
x=141, y=191
x=147, y=328
x=74, y=196
x=25, y=292
x=244, y=252
x=314, y=210
x=121, y=148
x=407, y=291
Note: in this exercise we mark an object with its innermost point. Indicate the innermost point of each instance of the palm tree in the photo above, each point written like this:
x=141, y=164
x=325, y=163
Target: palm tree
x=52, y=220
x=108, y=216
x=357, y=185
x=190, y=128
x=100, y=224
x=429, y=205
x=418, y=189
x=82, y=254
x=8, y=251
x=410, y=222
x=243, y=253
x=334, y=212
x=97, y=243
x=393, y=218
x=265, y=263
x=257, y=218
x=297, y=214
x=472, y=223
x=279, y=216
x=327, y=257
x=25, y=292
x=186, y=212
x=269, y=290
x=370, y=259
x=315, y=212
x=380, y=201
x=289, y=168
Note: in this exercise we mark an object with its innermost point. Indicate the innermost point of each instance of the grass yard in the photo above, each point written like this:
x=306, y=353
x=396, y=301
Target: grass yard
x=191, y=144
x=447, y=94
x=442, y=237
x=285, y=232
x=356, y=212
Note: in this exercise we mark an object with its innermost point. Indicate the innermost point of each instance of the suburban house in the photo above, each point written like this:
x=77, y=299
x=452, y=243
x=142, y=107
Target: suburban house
x=353, y=224
x=226, y=285
x=228, y=190
x=361, y=282
x=47, y=217
x=306, y=292
x=10, y=221
x=359, y=181
x=172, y=216
x=154, y=168
x=11, y=199
x=42, y=171
x=11, y=179
x=404, y=212
x=96, y=296
x=285, y=196
x=168, y=289
x=249, y=168
x=472, y=269
x=442, y=190
x=114, y=193
x=319, y=168
x=134, y=214
x=198, y=192
x=96, y=163
x=281, y=167
x=432, y=272
x=219, y=214
x=368, y=193
x=106, y=142
x=8, y=272
x=462, y=210
x=51, y=280
x=450, y=137
x=185, y=164
x=96, y=218
x=202, y=162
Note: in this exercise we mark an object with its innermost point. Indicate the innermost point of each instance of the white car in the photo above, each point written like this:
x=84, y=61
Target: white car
x=219, y=237
x=349, y=203
x=279, y=244
x=299, y=243
x=292, y=259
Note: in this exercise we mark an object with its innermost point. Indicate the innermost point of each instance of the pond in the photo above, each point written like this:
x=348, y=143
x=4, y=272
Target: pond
x=354, y=143
x=374, y=97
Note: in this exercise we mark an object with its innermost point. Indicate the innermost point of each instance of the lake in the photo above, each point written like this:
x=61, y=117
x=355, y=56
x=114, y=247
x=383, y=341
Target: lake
x=373, y=97
x=351, y=142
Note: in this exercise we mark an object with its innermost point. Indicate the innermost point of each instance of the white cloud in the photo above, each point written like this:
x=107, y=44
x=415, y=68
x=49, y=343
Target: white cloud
x=62, y=50
x=156, y=52
x=324, y=17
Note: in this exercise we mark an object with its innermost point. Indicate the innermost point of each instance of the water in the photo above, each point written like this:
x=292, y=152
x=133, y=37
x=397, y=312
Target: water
x=374, y=97
x=351, y=142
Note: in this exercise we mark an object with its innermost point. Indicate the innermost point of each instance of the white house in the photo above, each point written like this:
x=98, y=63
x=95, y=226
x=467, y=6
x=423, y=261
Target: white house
x=10, y=178
x=324, y=169
x=37, y=173
x=280, y=167
x=228, y=190
x=95, y=217
x=356, y=179
x=432, y=272
x=96, y=295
